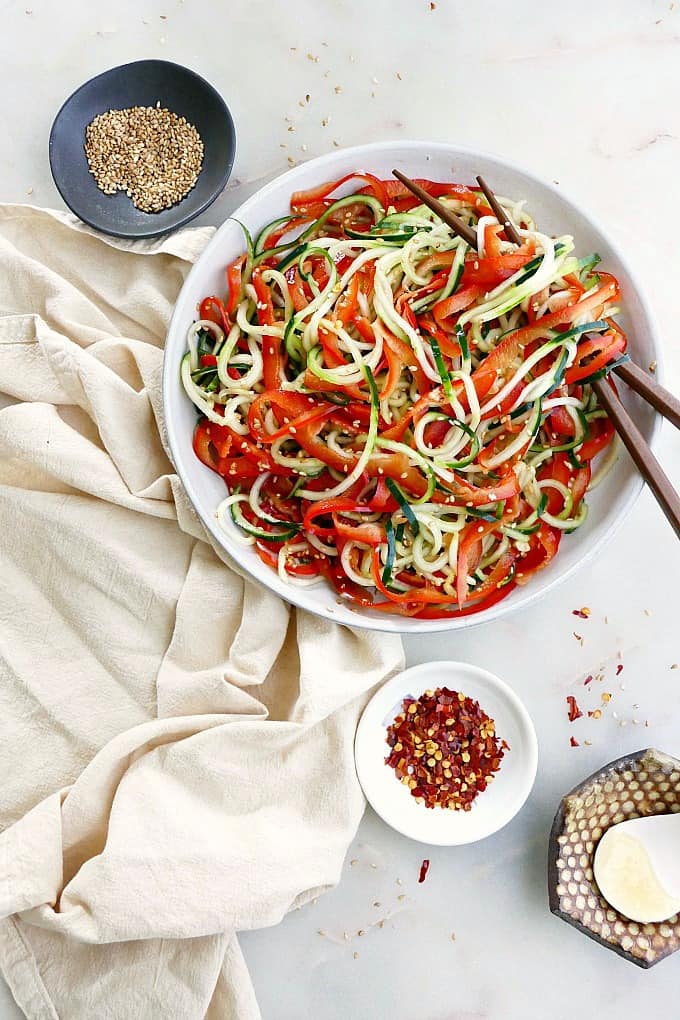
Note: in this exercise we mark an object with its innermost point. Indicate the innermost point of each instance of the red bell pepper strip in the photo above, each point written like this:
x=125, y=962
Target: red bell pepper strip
x=601, y=435
x=458, y=302
x=212, y=309
x=470, y=553
x=377, y=188
x=235, y=283
x=544, y=545
x=472, y=495
x=595, y=353
x=271, y=345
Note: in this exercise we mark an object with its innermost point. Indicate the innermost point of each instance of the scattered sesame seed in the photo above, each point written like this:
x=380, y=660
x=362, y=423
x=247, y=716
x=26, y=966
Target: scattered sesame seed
x=355, y=955
x=338, y=89
x=352, y=863
x=321, y=931
x=674, y=665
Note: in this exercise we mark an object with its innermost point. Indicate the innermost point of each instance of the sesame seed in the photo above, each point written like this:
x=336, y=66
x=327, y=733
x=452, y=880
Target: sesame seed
x=150, y=153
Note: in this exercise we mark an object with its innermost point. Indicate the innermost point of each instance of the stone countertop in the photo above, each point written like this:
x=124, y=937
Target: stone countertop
x=587, y=97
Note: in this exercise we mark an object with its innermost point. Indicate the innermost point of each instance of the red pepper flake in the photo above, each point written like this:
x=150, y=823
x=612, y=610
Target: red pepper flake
x=582, y=614
x=588, y=680
x=444, y=748
x=574, y=711
x=574, y=742
x=424, y=868
x=619, y=669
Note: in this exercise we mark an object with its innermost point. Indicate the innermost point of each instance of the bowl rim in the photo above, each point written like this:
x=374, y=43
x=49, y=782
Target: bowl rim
x=187, y=217
x=419, y=673
x=398, y=624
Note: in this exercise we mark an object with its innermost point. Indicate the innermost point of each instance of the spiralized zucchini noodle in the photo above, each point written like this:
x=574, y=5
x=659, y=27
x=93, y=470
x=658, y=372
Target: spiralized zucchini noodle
x=394, y=412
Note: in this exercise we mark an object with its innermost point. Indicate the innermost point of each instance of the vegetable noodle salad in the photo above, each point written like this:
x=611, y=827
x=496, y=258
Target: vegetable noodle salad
x=408, y=418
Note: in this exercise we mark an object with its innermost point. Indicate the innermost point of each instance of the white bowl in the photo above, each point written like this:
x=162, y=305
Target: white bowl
x=493, y=808
x=609, y=503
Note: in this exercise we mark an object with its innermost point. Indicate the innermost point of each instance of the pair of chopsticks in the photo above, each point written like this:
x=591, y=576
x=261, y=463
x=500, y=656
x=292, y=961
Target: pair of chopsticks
x=651, y=391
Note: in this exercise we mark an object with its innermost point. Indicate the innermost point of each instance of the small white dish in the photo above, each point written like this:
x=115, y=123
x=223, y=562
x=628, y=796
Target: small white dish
x=494, y=807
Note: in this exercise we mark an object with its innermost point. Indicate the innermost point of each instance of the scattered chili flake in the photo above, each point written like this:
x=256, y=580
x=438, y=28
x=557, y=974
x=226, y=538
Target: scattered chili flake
x=588, y=680
x=596, y=714
x=606, y=697
x=444, y=748
x=579, y=637
x=574, y=711
x=574, y=742
x=424, y=868
x=619, y=669
x=583, y=613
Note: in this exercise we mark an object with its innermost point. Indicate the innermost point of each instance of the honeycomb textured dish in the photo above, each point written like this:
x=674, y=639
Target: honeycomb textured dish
x=643, y=783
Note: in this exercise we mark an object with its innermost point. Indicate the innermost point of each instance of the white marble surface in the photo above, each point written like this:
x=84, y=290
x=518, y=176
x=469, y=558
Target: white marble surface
x=586, y=95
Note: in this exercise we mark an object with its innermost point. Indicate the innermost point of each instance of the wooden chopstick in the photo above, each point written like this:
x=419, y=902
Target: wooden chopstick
x=637, y=447
x=500, y=213
x=651, y=391
x=457, y=225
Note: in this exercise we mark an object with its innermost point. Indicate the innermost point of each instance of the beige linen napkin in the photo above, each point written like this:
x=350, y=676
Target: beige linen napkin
x=175, y=742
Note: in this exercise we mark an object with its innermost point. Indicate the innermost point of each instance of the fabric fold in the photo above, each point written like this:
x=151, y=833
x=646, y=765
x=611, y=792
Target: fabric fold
x=177, y=743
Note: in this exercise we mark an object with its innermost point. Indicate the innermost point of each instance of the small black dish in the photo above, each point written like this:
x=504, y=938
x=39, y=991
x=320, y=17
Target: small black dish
x=141, y=83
